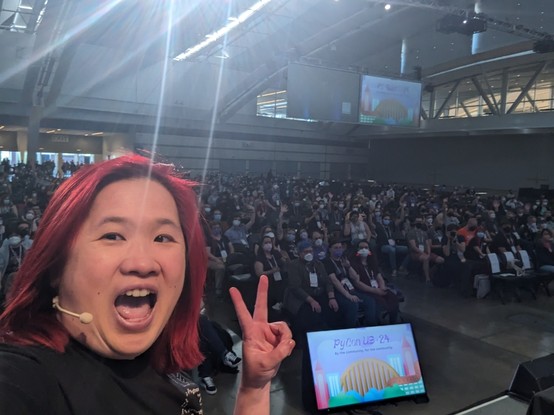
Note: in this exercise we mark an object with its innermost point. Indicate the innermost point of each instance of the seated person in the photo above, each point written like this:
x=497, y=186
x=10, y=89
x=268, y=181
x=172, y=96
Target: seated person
x=348, y=297
x=320, y=244
x=309, y=295
x=419, y=245
x=218, y=249
x=469, y=231
x=544, y=252
x=238, y=232
x=355, y=227
x=506, y=240
x=215, y=354
x=270, y=262
x=387, y=234
x=288, y=243
x=364, y=273
x=455, y=269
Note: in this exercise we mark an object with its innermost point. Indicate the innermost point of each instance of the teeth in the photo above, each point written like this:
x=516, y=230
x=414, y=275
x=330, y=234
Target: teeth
x=137, y=293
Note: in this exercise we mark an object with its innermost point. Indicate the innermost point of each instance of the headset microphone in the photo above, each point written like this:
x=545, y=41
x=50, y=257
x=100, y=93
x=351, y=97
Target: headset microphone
x=84, y=318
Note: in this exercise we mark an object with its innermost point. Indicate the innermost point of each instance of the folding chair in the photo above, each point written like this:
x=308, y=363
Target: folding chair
x=502, y=277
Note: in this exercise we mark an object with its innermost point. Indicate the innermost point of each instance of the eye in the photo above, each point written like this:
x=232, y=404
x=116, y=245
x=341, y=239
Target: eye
x=112, y=236
x=164, y=238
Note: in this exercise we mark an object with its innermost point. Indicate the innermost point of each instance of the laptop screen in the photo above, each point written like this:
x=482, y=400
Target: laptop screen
x=364, y=365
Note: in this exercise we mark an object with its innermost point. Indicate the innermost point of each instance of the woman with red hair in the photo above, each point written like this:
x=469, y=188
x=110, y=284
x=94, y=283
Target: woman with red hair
x=104, y=309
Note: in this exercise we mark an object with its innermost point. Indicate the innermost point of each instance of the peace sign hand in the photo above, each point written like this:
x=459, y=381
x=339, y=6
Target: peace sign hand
x=265, y=345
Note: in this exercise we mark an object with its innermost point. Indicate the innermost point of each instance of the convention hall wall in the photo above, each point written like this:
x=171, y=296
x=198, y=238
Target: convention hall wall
x=490, y=162
x=313, y=158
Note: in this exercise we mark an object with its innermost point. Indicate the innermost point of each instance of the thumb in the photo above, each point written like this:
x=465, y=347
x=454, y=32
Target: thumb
x=283, y=350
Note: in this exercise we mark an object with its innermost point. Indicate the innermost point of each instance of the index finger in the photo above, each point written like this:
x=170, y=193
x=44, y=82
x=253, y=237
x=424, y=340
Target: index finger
x=243, y=314
x=260, y=309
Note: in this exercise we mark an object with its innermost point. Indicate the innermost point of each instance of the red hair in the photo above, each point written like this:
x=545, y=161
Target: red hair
x=29, y=318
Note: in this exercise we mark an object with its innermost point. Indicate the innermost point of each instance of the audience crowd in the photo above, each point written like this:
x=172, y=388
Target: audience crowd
x=331, y=249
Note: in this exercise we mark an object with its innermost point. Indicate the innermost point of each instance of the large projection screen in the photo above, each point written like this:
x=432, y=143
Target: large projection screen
x=315, y=93
x=386, y=101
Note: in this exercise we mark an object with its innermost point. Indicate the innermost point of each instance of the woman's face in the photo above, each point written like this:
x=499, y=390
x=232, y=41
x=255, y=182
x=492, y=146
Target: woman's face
x=126, y=267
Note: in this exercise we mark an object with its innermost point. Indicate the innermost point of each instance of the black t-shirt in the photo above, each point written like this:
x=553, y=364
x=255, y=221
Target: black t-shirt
x=216, y=246
x=38, y=380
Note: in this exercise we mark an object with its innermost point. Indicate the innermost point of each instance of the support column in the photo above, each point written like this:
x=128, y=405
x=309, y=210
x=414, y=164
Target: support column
x=33, y=131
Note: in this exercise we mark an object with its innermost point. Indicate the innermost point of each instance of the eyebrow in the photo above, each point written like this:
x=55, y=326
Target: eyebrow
x=122, y=220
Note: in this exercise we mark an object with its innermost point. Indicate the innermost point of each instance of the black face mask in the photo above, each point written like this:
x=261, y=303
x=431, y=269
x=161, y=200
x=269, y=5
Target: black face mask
x=419, y=225
x=472, y=228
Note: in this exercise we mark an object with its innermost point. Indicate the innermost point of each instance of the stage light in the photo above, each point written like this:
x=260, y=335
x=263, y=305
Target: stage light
x=387, y=6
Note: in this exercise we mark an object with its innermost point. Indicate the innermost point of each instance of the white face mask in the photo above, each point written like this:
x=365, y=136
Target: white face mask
x=236, y=222
x=14, y=240
x=268, y=247
x=207, y=210
x=309, y=257
x=364, y=252
x=318, y=242
x=29, y=216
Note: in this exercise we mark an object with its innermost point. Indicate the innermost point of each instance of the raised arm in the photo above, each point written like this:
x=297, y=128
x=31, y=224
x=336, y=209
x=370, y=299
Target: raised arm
x=265, y=346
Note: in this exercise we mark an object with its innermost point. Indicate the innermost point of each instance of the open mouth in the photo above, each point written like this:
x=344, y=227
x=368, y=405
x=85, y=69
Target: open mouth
x=135, y=305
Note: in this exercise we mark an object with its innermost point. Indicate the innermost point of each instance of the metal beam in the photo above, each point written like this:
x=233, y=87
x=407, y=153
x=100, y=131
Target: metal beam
x=532, y=101
x=504, y=92
x=482, y=93
x=465, y=109
x=240, y=95
x=491, y=92
x=527, y=87
x=441, y=109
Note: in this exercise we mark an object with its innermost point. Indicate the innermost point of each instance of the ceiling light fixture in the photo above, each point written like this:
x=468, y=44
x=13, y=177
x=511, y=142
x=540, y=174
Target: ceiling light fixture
x=387, y=6
x=98, y=133
x=218, y=34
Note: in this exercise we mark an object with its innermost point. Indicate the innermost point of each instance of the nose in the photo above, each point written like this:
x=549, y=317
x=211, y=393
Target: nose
x=140, y=260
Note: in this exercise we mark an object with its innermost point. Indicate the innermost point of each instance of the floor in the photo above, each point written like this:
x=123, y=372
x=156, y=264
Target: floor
x=469, y=349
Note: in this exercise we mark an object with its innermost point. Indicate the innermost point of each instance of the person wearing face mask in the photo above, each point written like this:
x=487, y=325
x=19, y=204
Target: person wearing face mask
x=218, y=249
x=419, y=245
x=288, y=243
x=491, y=223
x=387, y=237
x=365, y=275
x=310, y=301
x=507, y=240
x=265, y=231
x=336, y=217
x=270, y=262
x=320, y=244
x=355, y=227
x=469, y=231
x=238, y=232
x=218, y=218
x=317, y=218
x=349, y=299
x=303, y=235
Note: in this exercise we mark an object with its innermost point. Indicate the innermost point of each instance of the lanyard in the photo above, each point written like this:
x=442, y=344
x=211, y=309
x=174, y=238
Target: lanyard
x=16, y=255
x=369, y=275
x=274, y=264
x=341, y=270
